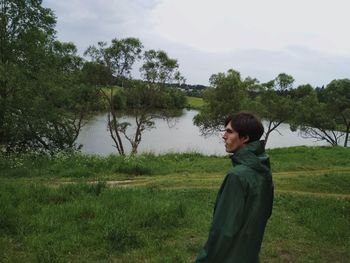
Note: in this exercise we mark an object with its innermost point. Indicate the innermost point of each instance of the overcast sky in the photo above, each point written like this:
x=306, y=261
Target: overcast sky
x=308, y=39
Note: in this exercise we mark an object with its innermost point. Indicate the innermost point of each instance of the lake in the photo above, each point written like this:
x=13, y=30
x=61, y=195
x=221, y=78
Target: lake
x=179, y=135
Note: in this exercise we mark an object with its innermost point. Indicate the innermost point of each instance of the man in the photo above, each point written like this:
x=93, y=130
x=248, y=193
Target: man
x=244, y=201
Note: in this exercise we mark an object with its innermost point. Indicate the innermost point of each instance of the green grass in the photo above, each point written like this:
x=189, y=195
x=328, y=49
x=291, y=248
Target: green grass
x=114, y=89
x=307, y=229
x=323, y=182
x=164, y=209
x=309, y=158
x=94, y=223
x=118, y=167
x=194, y=102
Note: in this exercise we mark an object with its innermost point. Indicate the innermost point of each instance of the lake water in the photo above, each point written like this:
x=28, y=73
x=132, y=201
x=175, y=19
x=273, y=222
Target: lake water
x=179, y=135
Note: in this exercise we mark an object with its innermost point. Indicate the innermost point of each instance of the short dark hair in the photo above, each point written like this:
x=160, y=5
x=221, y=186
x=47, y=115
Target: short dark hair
x=246, y=124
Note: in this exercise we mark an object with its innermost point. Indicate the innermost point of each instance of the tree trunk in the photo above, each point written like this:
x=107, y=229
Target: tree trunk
x=347, y=136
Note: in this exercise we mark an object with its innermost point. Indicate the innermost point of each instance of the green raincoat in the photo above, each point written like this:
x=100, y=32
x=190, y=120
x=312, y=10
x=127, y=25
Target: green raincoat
x=243, y=206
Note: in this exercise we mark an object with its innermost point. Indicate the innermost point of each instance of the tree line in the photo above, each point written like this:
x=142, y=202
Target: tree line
x=319, y=113
x=48, y=91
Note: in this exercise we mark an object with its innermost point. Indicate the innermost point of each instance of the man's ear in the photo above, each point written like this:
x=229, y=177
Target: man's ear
x=245, y=139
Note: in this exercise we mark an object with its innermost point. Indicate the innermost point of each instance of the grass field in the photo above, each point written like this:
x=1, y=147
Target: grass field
x=149, y=208
x=194, y=102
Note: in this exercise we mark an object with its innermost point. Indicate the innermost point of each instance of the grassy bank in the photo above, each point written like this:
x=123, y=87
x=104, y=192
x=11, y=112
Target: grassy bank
x=118, y=167
x=194, y=102
x=163, y=211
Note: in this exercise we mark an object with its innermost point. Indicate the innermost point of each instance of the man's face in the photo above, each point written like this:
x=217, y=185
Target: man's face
x=232, y=140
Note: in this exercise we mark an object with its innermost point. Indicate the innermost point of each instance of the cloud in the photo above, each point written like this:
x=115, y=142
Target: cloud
x=305, y=65
x=307, y=39
x=224, y=25
x=87, y=22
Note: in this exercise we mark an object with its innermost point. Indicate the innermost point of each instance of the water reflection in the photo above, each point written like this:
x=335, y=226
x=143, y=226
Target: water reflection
x=177, y=134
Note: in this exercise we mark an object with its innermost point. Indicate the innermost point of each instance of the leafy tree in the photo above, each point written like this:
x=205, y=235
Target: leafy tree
x=275, y=106
x=226, y=95
x=42, y=105
x=96, y=74
x=314, y=118
x=302, y=91
x=119, y=57
x=230, y=94
x=69, y=100
x=151, y=98
x=159, y=69
x=25, y=29
x=115, y=62
x=272, y=102
x=283, y=82
x=337, y=94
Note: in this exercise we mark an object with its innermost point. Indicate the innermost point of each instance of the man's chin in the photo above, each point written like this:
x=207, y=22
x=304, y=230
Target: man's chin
x=228, y=150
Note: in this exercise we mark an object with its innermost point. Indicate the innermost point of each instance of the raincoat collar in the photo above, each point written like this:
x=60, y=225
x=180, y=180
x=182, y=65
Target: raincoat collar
x=252, y=155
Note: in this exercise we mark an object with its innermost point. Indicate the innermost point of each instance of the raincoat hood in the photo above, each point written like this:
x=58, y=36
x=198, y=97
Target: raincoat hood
x=252, y=155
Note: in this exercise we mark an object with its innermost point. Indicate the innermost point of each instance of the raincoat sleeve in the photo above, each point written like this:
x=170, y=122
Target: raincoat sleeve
x=227, y=219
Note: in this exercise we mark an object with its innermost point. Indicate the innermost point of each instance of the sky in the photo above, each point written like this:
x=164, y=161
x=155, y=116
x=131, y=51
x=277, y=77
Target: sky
x=308, y=39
